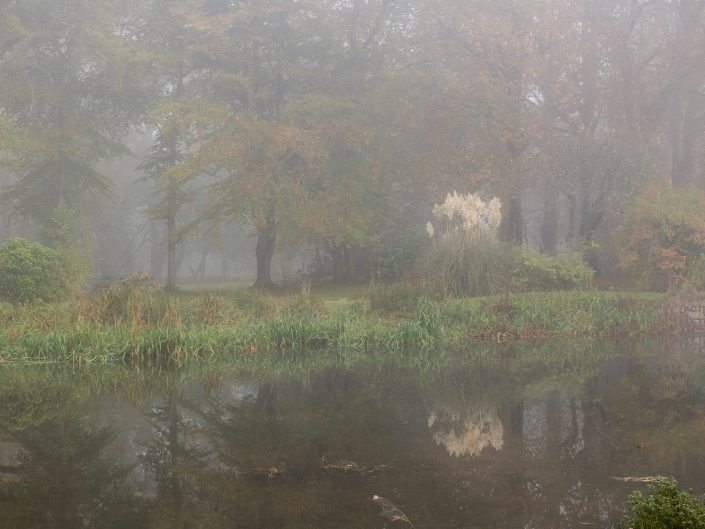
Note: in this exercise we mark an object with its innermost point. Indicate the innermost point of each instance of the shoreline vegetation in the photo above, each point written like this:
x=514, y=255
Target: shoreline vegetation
x=129, y=325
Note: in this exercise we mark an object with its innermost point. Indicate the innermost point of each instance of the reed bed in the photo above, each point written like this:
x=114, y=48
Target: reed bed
x=126, y=325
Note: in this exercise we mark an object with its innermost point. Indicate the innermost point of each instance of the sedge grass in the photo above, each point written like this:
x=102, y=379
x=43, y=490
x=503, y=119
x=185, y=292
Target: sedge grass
x=135, y=327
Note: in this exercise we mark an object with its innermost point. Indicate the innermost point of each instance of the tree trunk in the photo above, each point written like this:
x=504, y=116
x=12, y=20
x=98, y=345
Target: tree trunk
x=156, y=251
x=686, y=124
x=589, y=219
x=549, y=227
x=352, y=265
x=200, y=272
x=685, y=134
x=266, y=240
x=171, y=253
x=514, y=475
x=344, y=264
x=512, y=227
x=336, y=254
x=552, y=453
x=172, y=191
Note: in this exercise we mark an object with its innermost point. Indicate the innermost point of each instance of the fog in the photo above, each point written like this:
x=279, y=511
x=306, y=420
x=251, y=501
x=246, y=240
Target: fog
x=272, y=141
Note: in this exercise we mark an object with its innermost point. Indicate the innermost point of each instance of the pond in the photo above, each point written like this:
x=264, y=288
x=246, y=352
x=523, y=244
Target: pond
x=527, y=437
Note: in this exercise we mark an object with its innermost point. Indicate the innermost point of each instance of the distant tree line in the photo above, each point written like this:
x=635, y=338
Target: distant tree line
x=338, y=123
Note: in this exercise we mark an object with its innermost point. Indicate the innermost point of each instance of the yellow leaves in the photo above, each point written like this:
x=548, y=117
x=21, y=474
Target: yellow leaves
x=213, y=26
x=265, y=161
x=671, y=260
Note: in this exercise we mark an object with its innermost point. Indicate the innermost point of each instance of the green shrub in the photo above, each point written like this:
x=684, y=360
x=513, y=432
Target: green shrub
x=531, y=272
x=394, y=260
x=30, y=272
x=666, y=507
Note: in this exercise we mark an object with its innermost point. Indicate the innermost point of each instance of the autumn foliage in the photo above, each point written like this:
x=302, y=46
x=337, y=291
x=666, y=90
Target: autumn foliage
x=662, y=236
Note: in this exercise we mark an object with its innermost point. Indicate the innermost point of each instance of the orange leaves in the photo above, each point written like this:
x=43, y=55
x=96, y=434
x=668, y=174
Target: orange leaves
x=265, y=166
x=671, y=260
x=663, y=234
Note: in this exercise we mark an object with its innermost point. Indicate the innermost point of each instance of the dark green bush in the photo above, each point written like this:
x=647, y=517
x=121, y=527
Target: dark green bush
x=665, y=507
x=531, y=272
x=395, y=259
x=30, y=272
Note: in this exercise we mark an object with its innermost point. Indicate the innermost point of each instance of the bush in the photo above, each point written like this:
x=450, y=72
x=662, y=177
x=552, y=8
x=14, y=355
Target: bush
x=30, y=272
x=662, y=236
x=395, y=259
x=666, y=507
x=533, y=272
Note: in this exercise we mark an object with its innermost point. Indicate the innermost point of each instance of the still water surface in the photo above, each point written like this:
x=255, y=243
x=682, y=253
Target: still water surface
x=524, y=439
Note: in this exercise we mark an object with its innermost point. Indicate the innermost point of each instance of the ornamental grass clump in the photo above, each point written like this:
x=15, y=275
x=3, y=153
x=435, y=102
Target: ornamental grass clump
x=465, y=258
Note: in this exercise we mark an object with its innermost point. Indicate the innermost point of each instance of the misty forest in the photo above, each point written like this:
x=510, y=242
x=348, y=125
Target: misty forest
x=280, y=264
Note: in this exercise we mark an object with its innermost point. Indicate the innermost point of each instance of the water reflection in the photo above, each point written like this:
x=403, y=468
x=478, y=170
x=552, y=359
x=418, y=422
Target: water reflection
x=526, y=442
x=468, y=435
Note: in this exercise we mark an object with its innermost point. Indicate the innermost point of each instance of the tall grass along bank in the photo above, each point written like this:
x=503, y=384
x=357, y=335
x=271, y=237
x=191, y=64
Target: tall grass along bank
x=132, y=326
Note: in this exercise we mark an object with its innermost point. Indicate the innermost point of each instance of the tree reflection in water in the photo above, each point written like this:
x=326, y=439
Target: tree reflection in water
x=524, y=441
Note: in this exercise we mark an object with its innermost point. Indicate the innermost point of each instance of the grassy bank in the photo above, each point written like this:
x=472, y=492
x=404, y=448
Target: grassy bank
x=127, y=325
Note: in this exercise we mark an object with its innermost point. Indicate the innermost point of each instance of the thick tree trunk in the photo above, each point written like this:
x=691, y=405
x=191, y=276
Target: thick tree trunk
x=266, y=241
x=512, y=228
x=685, y=134
x=344, y=264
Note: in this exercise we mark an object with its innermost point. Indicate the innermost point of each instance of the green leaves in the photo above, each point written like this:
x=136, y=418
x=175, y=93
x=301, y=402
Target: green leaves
x=29, y=272
x=66, y=98
x=665, y=507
